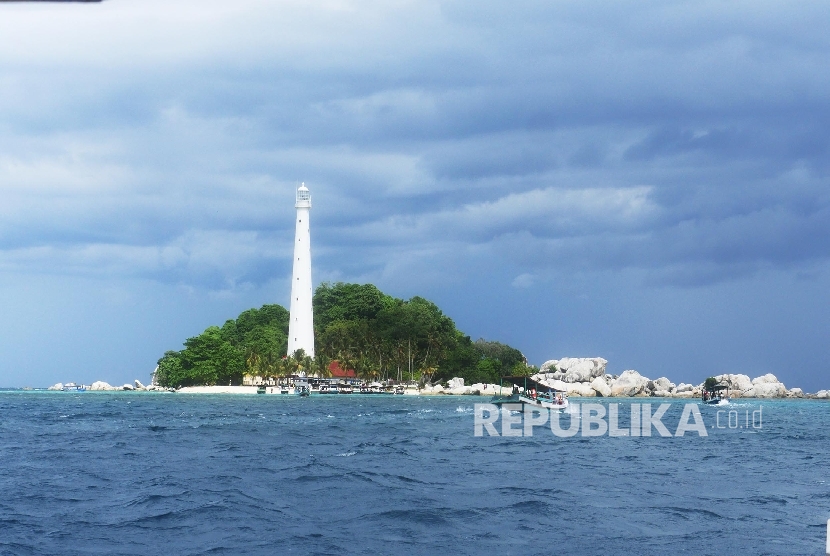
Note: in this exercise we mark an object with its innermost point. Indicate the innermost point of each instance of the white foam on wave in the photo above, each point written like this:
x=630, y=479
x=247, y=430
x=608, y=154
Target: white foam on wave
x=346, y=454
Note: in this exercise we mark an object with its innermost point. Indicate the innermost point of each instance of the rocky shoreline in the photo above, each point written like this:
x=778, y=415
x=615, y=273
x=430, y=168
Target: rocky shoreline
x=102, y=386
x=586, y=377
x=580, y=377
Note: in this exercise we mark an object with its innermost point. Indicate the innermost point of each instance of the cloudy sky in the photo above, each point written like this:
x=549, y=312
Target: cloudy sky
x=642, y=181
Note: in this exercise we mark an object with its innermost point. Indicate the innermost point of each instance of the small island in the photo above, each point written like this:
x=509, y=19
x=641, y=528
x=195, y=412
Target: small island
x=358, y=328
x=372, y=342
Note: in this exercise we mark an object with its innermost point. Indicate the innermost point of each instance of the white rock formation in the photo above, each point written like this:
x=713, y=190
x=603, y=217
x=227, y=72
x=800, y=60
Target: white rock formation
x=768, y=378
x=101, y=385
x=630, y=383
x=463, y=390
x=138, y=385
x=766, y=390
x=570, y=369
x=581, y=389
x=127, y=387
x=739, y=383
x=601, y=387
x=58, y=386
x=767, y=386
x=795, y=393
x=823, y=394
x=663, y=384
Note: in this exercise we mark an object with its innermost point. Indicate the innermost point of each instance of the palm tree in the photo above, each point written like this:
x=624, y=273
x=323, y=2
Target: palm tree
x=321, y=365
x=253, y=363
x=364, y=368
x=346, y=360
x=429, y=372
x=270, y=365
x=306, y=364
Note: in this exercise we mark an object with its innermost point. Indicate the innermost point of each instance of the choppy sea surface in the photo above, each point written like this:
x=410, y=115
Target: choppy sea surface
x=143, y=473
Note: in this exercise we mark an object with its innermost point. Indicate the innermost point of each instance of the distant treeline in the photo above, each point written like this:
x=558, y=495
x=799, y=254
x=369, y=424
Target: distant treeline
x=377, y=335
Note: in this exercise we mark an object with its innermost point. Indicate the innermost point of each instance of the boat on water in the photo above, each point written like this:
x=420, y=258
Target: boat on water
x=527, y=391
x=72, y=387
x=282, y=389
x=376, y=388
x=715, y=392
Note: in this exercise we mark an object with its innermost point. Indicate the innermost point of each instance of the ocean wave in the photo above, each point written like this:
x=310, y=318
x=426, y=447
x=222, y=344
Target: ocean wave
x=210, y=475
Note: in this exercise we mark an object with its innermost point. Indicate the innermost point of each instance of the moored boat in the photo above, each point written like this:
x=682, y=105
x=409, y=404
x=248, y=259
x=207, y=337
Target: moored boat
x=527, y=391
x=302, y=388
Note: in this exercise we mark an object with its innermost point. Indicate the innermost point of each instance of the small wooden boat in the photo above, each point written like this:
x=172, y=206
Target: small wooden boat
x=527, y=391
x=715, y=392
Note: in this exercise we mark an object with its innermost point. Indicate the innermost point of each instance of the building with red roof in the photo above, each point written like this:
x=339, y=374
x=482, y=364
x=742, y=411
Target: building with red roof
x=338, y=372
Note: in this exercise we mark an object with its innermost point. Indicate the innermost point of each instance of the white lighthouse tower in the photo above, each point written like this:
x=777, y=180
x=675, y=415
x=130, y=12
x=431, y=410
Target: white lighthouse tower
x=301, y=325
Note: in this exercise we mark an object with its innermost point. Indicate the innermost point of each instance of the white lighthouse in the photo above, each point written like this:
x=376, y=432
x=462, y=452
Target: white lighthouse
x=301, y=325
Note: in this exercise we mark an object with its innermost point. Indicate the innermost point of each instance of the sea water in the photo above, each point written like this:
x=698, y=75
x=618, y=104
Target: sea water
x=144, y=473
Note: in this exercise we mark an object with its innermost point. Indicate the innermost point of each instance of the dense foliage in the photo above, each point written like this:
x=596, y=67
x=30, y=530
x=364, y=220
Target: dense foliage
x=377, y=335
x=258, y=337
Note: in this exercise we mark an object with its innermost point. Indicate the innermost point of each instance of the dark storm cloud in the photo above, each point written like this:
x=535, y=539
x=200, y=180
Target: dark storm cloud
x=662, y=137
x=585, y=178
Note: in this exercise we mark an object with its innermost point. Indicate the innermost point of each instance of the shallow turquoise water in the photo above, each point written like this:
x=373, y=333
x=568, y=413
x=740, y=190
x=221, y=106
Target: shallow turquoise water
x=138, y=473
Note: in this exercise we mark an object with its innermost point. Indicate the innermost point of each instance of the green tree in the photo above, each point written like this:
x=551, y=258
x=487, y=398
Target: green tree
x=169, y=373
x=359, y=326
x=346, y=302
